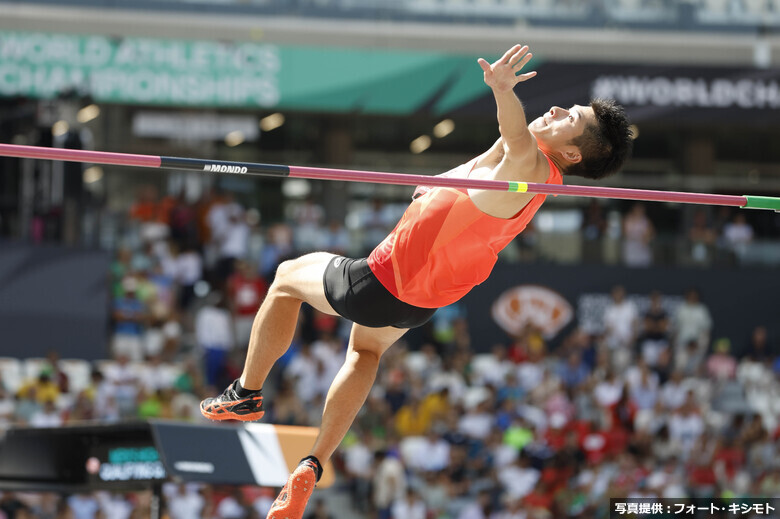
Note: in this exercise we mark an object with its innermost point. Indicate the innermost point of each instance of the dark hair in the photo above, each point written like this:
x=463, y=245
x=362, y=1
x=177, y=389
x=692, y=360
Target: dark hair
x=606, y=145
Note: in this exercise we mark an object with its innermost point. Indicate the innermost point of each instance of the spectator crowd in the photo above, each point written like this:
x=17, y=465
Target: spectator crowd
x=653, y=405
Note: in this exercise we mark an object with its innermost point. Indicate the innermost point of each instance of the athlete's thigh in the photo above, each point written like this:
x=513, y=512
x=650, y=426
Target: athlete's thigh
x=375, y=340
x=302, y=278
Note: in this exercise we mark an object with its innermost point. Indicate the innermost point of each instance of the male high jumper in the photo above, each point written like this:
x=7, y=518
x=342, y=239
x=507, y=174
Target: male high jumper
x=445, y=244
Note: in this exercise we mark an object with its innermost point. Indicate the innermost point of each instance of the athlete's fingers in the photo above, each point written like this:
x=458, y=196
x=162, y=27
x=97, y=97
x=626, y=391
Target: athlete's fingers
x=517, y=55
x=484, y=64
x=509, y=53
x=524, y=77
x=525, y=59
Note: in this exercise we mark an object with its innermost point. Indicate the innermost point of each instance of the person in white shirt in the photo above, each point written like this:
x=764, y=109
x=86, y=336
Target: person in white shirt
x=214, y=334
x=608, y=391
x=233, y=506
x=692, y=324
x=410, y=507
x=304, y=367
x=358, y=466
x=737, y=235
x=84, y=506
x=183, y=502
x=233, y=242
x=389, y=483
x=48, y=416
x=674, y=391
x=685, y=427
x=620, y=320
x=520, y=478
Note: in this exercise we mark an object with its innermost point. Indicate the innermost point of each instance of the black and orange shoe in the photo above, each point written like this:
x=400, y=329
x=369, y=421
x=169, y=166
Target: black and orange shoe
x=230, y=406
x=292, y=500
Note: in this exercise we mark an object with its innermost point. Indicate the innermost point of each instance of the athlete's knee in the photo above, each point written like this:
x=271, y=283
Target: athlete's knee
x=366, y=355
x=285, y=278
x=368, y=348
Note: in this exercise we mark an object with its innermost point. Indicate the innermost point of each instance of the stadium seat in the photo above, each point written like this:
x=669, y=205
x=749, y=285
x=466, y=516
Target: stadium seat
x=79, y=374
x=11, y=376
x=33, y=367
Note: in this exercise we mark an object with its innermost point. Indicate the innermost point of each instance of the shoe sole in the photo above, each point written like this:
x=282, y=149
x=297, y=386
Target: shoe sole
x=251, y=417
x=299, y=489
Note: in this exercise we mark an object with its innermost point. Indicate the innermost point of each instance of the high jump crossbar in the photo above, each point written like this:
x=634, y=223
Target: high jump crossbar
x=275, y=170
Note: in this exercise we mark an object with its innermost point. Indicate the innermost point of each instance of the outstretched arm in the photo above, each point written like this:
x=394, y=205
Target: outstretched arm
x=521, y=158
x=501, y=77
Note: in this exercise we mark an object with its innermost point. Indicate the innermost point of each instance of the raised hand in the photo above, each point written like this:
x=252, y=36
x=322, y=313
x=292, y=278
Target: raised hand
x=503, y=74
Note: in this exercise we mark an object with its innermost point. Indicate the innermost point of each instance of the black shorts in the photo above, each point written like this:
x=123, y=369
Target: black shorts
x=356, y=294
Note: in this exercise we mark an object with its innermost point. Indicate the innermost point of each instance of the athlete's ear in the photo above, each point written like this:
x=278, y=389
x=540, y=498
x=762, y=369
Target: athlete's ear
x=572, y=154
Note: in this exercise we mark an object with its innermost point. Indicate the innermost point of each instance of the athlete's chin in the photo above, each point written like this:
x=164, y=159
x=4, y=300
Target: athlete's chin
x=537, y=124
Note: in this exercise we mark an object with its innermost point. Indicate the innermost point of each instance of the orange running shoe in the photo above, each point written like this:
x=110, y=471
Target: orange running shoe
x=292, y=500
x=230, y=406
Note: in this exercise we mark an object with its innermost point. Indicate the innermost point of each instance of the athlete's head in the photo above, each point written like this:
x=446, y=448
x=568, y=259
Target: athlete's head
x=588, y=141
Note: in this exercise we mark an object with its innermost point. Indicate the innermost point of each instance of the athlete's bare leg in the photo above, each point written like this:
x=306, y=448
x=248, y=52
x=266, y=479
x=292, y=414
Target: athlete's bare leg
x=296, y=281
x=346, y=396
x=350, y=388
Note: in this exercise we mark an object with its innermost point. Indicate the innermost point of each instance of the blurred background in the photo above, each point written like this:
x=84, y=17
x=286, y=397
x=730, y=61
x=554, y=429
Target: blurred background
x=613, y=340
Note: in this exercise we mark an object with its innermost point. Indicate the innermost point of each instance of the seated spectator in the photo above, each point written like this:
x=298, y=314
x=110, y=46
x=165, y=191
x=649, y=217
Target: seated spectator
x=674, y=391
x=214, y=335
x=721, y=365
x=692, y=322
x=389, y=483
x=246, y=290
x=759, y=348
x=607, y=392
x=335, y=238
x=702, y=237
x=644, y=392
x=358, y=468
x=478, y=421
x=47, y=416
x=621, y=320
x=82, y=410
x=573, y=371
x=412, y=419
x=638, y=232
x=654, y=338
x=233, y=506
x=59, y=377
x=520, y=477
x=737, y=235
x=410, y=507
x=184, y=502
x=130, y=317
x=188, y=271
x=123, y=385
x=286, y=407
x=481, y=508
x=685, y=427
x=42, y=389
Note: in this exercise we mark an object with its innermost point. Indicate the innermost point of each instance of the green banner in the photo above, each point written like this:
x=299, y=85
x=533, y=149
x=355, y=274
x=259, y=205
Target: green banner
x=235, y=74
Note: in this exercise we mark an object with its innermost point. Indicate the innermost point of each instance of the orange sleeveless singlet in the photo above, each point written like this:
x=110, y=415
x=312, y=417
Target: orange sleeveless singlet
x=444, y=246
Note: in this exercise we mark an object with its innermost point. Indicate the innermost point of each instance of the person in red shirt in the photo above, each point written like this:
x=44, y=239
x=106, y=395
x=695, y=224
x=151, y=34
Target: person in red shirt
x=446, y=243
x=246, y=290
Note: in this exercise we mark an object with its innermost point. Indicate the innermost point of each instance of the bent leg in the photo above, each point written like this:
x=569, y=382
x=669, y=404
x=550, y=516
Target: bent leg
x=350, y=388
x=296, y=281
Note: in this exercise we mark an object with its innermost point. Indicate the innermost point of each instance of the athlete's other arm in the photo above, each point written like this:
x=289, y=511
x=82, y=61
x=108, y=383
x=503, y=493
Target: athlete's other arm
x=522, y=160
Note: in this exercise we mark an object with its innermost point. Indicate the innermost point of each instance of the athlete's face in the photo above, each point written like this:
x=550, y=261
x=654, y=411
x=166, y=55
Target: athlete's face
x=555, y=130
